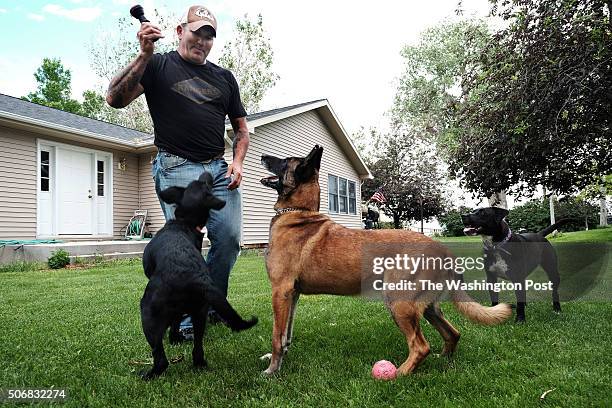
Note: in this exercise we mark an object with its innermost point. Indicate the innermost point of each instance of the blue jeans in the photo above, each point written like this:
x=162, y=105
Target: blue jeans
x=223, y=226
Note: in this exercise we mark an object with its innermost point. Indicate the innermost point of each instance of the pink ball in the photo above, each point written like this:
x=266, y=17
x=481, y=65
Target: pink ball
x=384, y=370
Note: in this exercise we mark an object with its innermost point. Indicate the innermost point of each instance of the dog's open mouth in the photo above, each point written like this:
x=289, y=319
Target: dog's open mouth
x=271, y=181
x=469, y=230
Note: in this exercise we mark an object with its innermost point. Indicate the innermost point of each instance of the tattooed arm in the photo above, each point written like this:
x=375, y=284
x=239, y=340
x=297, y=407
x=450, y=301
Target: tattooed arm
x=240, y=147
x=125, y=86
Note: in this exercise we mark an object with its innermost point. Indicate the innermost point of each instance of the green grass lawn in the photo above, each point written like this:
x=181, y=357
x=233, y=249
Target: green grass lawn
x=79, y=329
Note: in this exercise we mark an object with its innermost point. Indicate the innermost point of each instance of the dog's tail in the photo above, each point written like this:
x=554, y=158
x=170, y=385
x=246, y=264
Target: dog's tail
x=219, y=302
x=553, y=227
x=479, y=313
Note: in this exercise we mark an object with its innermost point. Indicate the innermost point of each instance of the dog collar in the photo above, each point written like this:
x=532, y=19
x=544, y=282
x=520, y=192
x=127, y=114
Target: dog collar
x=507, y=237
x=502, y=242
x=280, y=211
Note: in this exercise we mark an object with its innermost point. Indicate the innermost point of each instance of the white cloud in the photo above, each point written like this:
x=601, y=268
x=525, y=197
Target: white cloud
x=35, y=17
x=2, y=10
x=84, y=14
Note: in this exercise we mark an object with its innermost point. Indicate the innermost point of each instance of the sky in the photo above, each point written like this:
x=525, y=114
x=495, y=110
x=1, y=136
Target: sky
x=345, y=51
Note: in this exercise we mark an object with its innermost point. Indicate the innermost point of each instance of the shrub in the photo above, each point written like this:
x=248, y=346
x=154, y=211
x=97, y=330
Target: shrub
x=58, y=259
x=534, y=215
x=451, y=221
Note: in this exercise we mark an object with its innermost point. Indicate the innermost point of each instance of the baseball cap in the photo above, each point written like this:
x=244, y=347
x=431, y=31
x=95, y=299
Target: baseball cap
x=197, y=17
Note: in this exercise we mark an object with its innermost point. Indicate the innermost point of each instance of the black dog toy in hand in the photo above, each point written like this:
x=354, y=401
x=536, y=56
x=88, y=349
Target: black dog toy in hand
x=138, y=13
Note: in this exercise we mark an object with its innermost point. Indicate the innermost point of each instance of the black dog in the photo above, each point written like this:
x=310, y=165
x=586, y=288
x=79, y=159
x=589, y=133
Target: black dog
x=513, y=256
x=179, y=281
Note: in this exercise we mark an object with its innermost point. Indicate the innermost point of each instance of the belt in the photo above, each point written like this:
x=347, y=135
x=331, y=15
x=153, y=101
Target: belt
x=217, y=157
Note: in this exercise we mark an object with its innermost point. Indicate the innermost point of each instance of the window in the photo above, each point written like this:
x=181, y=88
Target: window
x=44, y=171
x=352, y=198
x=333, y=194
x=342, y=195
x=100, y=174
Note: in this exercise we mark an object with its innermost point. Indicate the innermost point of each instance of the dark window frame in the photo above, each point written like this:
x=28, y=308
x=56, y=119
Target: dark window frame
x=100, y=184
x=45, y=181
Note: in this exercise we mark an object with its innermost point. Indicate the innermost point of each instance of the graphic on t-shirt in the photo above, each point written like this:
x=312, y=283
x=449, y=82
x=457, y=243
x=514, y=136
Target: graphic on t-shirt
x=197, y=90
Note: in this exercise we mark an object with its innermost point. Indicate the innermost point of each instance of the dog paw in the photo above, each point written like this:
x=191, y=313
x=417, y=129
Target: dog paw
x=268, y=372
x=148, y=375
x=266, y=356
x=200, y=365
x=520, y=320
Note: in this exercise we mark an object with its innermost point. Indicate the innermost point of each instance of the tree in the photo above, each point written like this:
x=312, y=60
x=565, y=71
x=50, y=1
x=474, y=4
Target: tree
x=54, y=87
x=429, y=89
x=111, y=50
x=409, y=176
x=93, y=104
x=249, y=56
x=536, y=111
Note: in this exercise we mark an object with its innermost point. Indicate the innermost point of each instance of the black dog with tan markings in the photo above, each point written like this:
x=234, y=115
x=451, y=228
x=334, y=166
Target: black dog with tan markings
x=179, y=281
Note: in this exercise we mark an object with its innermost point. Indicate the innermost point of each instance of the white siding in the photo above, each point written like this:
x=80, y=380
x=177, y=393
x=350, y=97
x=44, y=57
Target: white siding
x=293, y=136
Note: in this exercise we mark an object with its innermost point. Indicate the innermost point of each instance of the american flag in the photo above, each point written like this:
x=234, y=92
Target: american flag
x=378, y=196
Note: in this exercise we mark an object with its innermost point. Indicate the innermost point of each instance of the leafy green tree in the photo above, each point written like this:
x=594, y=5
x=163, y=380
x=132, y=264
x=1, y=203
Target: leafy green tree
x=536, y=111
x=93, y=104
x=451, y=221
x=429, y=89
x=54, y=87
x=408, y=174
x=249, y=56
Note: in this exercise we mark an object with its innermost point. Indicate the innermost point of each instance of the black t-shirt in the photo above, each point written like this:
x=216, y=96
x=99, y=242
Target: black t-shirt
x=188, y=104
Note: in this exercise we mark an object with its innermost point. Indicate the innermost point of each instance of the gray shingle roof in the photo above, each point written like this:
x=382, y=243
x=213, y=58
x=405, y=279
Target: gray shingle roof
x=271, y=112
x=31, y=110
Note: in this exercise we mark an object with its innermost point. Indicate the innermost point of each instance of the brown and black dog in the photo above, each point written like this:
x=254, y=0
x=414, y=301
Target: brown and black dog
x=311, y=254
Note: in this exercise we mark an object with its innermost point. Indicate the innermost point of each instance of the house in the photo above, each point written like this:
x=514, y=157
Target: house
x=73, y=178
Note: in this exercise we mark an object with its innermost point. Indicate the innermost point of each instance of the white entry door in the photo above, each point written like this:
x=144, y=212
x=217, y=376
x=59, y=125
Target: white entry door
x=74, y=192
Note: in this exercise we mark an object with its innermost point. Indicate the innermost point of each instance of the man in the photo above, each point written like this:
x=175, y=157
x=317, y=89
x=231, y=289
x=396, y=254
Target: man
x=189, y=98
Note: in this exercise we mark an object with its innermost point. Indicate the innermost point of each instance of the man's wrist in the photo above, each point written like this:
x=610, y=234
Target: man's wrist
x=145, y=56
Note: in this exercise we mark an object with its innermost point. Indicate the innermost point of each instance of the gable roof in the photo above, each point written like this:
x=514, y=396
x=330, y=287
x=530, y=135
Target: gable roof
x=327, y=114
x=32, y=117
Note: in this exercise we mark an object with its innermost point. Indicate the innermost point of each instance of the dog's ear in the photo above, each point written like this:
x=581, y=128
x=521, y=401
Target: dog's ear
x=206, y=177
x=314, y=157
x=500, y=213
x=312, y=162
x=216, y=203
x=172, y=195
